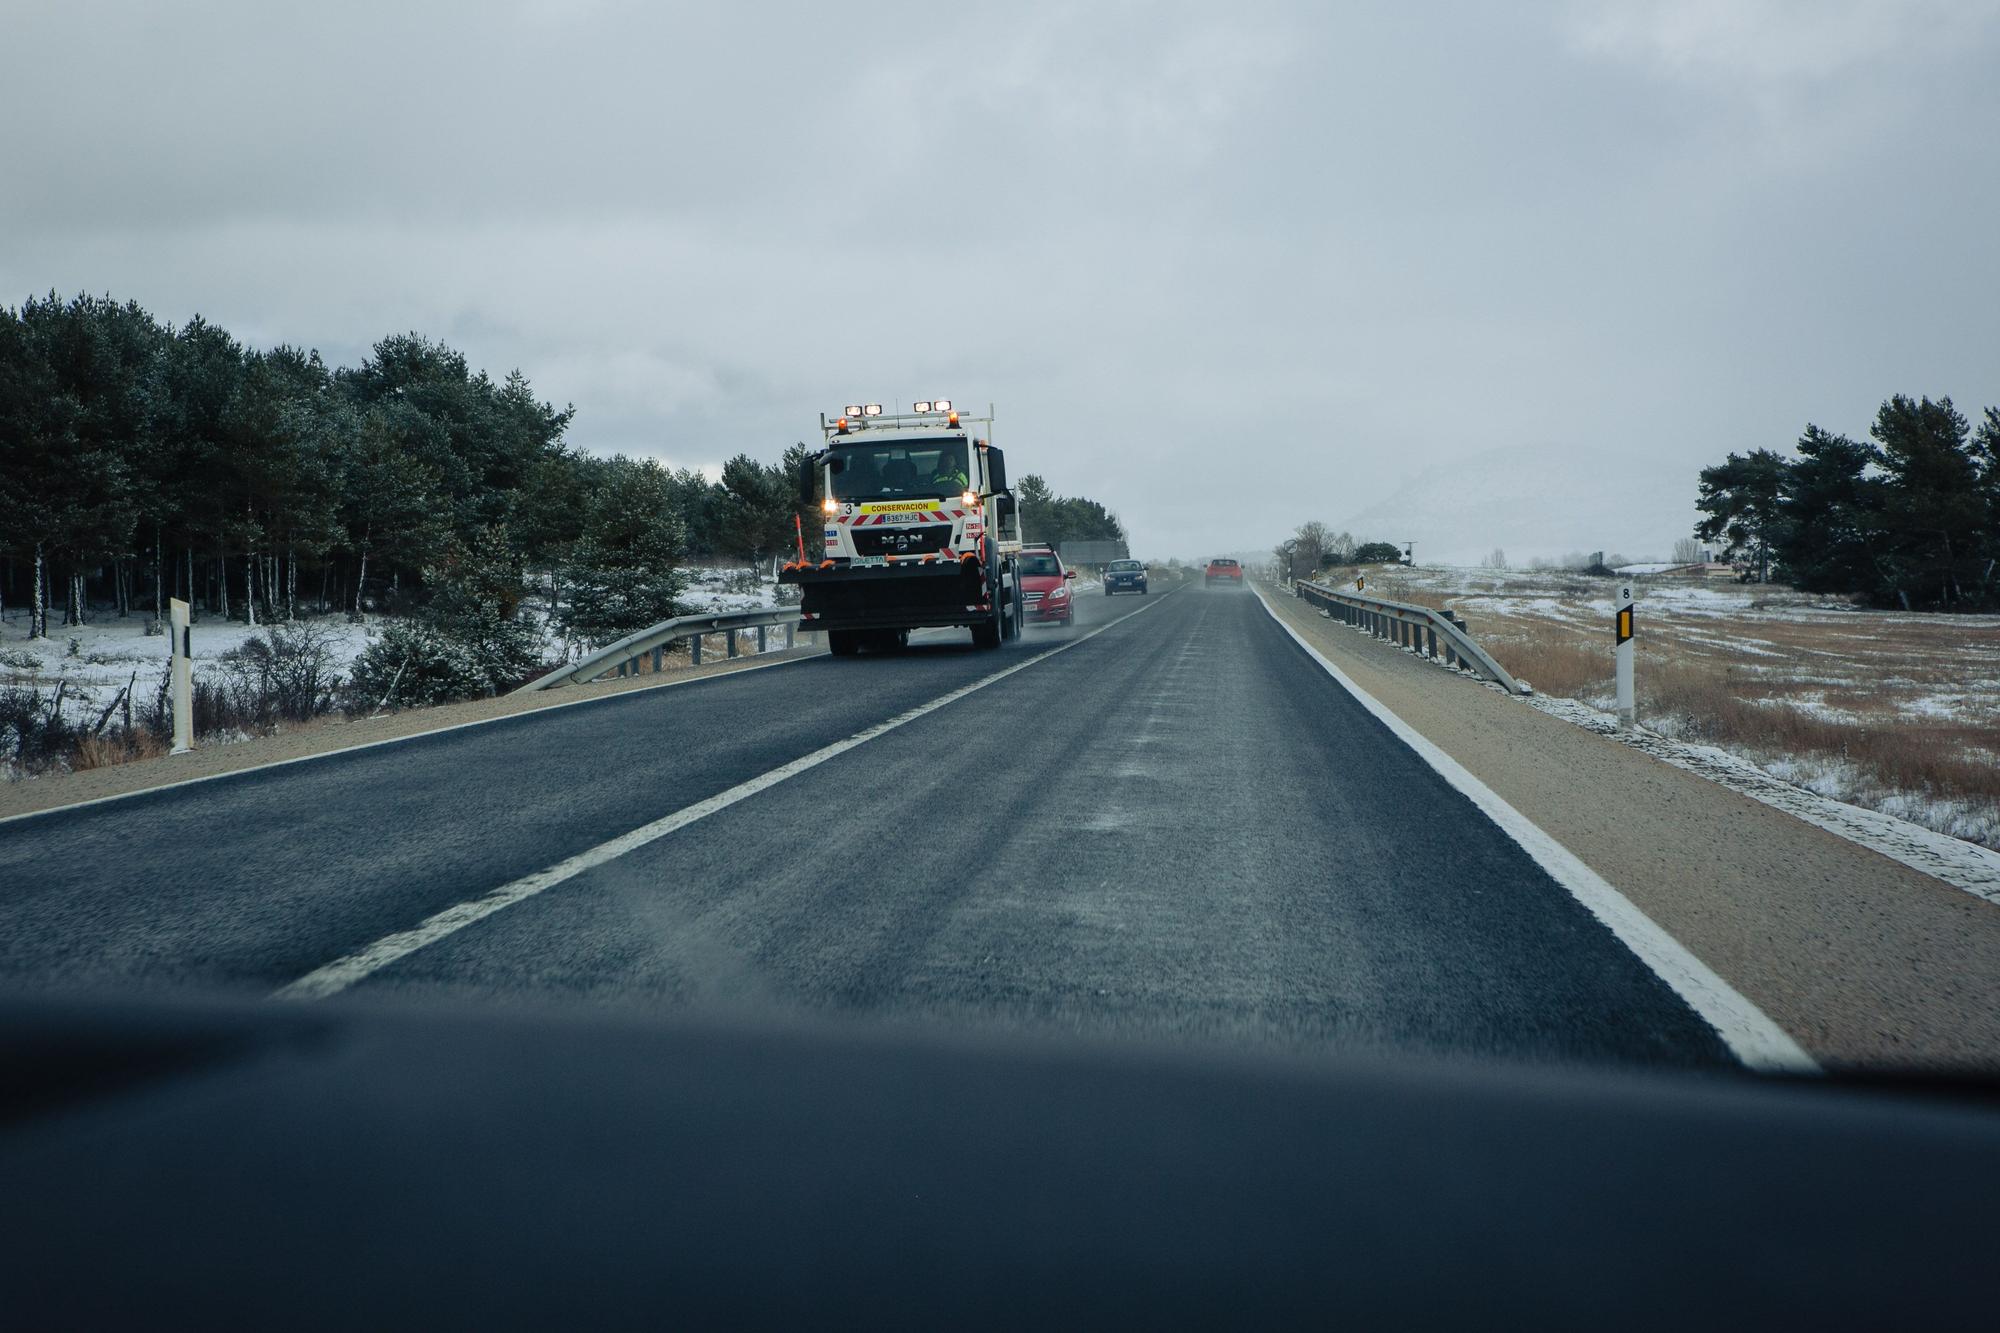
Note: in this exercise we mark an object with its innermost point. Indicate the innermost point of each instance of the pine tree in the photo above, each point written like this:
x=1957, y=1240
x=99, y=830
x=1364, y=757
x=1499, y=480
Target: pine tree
x=1832, y=525
x=623, y=573
x=1935, y=513
x=1742, y=497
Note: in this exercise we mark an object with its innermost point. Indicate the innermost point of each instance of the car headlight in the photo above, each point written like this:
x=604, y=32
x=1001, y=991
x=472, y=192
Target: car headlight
x=1059, y=591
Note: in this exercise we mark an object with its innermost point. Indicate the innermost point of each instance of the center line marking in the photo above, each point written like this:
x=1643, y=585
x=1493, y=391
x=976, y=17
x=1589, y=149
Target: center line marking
x=338, y=975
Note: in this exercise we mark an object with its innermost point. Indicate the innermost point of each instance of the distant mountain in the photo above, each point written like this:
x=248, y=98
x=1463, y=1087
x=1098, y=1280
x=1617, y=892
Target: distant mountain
x=1535, y=501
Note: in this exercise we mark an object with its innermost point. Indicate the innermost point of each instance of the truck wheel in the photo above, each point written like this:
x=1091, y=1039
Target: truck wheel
x=843, y=642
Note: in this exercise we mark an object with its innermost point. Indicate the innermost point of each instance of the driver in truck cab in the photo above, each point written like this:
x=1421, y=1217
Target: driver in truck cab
x=950, y=475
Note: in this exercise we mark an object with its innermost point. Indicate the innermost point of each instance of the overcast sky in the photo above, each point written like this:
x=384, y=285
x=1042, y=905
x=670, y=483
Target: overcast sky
x=1472, y=274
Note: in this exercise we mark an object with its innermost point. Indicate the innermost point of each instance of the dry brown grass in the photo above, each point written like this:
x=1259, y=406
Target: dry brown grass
x=1908, y=705
x=119, y=747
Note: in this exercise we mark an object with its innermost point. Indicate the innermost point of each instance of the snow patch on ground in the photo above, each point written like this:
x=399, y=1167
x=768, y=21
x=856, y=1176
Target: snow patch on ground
x=1806, y=788
x=719, y=591
x=99, y=659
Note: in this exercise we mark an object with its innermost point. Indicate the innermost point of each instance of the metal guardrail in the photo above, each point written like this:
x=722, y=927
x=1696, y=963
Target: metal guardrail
x=625, y=655
x=1418, y=628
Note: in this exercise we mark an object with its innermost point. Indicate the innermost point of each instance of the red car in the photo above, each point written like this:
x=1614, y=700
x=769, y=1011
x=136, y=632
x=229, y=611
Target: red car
x=1225, y=569
x=1045, y=589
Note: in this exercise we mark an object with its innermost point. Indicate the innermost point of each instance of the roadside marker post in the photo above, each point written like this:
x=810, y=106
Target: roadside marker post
x=182, y=675
x=1626, y=708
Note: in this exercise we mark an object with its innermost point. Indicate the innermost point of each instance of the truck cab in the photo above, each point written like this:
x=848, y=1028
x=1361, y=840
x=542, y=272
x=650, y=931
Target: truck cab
x=920, y=529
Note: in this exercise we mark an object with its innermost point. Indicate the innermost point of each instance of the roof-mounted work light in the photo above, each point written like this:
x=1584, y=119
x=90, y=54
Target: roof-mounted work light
x=920, y=407
x=941, y=405
x=872, y=409
x=851, y=410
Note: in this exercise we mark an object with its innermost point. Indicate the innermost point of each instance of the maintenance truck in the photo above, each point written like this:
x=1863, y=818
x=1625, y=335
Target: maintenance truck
x=920, y=529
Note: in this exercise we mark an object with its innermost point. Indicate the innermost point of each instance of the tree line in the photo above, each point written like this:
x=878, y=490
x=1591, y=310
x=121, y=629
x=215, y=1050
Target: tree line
x=1314, y=547
x=1909, y=517
x=1055, y=519
x=141, y=461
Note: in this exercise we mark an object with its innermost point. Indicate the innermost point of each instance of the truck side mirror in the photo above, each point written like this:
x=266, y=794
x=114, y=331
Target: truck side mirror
x=806, y=484
x=996, y=468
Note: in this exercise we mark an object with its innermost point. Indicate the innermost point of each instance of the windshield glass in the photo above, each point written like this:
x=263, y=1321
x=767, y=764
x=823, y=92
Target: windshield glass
x=900, y=468
x=1125, y=566
x=1046, y=565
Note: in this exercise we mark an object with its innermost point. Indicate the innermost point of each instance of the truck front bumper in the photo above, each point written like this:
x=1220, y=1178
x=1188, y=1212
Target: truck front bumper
x=909, y=594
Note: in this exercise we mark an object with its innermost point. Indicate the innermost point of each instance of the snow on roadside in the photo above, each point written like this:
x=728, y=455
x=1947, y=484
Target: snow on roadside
x=99, y=659
x=1961, y=864
x=719, y=591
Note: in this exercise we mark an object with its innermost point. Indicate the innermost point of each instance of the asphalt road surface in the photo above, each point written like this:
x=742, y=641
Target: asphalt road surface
x=1177, y=826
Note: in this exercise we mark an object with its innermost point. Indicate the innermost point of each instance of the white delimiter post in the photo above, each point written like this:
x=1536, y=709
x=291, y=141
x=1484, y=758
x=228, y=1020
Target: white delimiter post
x=1626, y=707
x=182, y=676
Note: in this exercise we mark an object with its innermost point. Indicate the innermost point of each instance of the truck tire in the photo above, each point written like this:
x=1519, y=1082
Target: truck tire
x=843, y=642
x=988, y=632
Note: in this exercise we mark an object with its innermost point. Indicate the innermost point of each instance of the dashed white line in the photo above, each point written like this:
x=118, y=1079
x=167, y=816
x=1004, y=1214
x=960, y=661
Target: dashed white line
x=344, y=972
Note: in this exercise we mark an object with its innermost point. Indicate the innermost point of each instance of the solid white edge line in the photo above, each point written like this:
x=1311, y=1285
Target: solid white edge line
x=1748, y=1031
x=398, y=740
x=338, y=975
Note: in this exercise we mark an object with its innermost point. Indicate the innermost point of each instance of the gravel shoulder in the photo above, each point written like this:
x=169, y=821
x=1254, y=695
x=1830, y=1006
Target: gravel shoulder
x=329, y=735
x=1865, y=961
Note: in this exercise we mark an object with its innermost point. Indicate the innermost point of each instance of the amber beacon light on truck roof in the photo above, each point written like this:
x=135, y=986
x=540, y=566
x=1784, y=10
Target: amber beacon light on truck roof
x=857, y=417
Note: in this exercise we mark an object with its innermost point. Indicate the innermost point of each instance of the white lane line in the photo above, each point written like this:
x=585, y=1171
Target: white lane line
x=399, y=740
x=1747, y=1030
x=338, y=975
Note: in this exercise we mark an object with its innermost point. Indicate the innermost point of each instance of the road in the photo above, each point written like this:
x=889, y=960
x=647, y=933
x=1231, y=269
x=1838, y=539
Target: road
x=1168, y=822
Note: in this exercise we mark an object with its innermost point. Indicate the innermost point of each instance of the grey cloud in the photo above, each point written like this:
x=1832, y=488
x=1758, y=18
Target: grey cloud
x=1226, y=268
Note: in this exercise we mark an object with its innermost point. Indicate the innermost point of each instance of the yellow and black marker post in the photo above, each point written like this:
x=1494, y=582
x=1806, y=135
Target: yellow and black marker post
x=1627, y=712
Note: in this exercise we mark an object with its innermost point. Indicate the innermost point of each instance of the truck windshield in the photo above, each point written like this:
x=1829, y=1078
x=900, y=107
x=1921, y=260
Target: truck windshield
x=899, y=468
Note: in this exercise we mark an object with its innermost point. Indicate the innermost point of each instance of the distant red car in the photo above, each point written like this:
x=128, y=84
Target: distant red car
x=1045, y=586
x=1224, y=569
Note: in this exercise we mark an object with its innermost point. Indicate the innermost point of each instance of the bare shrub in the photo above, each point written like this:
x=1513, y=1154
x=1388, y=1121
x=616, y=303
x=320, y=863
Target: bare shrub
x=286, y=674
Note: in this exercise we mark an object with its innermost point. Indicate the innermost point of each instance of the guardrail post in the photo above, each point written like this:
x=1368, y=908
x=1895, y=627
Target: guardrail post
x=730, y=635
x=659, y=658
x=791, y=634
x=1431, y=642
x=760, y=640
x=695, y=639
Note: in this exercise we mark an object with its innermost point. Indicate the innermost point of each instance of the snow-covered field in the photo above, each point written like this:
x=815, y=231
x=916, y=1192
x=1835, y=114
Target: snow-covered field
x=1894, y=712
